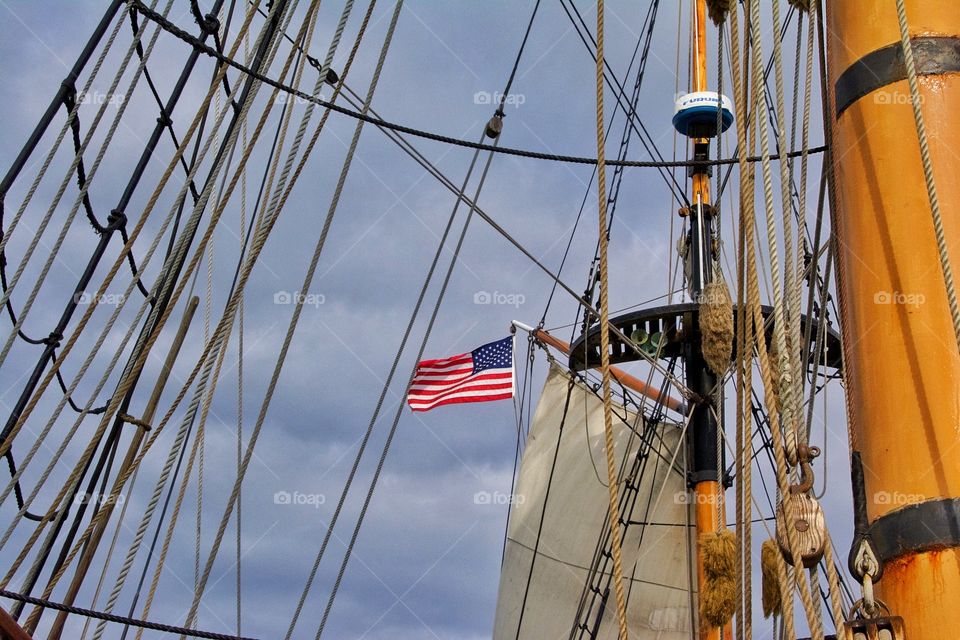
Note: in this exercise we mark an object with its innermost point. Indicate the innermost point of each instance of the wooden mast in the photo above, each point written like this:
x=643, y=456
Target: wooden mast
x=902, y=362
x=707, y=485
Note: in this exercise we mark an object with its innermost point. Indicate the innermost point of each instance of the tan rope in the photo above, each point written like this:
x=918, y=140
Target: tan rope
x=915, y=99
x=744, y=368
x=605, y=343
x=767, y=373
x=125, y=384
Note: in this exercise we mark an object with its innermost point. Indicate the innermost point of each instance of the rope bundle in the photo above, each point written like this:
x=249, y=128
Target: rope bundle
x=718, y=10
x=772, y=599
x=718, y=600
x=716, y=326
x=803, y=5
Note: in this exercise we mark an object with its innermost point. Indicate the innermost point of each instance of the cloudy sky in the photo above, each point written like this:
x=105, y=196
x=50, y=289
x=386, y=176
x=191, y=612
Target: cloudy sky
x=426, y=564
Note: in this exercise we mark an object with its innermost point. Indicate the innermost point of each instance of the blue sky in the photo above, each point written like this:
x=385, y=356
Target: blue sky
x=427, y=561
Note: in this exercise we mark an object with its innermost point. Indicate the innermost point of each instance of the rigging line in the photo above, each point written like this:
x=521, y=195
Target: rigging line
x=166, y=418
x=109, y=555
x=116, y=266
x=160, y=521
x=25, y=462
x=225, y=326
x=624, y=143
x=115, y=433
x=60, y=406
x=265, y=214
x=915, y=101
x=109, y=617
x=69, y=101
x=629, y=128
x=223, y=329
x=543, y=511
x=240, y=353
x=579, y=298
x=177, y=32
x=613, y=512
x=46, y=267
x=768, y=69
x=516, y=60
x=630, y=114
x=396, y=418
x=127, y=383
x=48, y=160
x=108, y=138
x=61, y=514
x=527, y=379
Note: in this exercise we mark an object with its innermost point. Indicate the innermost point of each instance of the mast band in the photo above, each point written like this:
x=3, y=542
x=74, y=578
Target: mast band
x=933, y=55
x=925, y=526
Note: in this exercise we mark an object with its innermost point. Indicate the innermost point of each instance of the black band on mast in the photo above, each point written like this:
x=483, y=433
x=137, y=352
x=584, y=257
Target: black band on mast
x=934, y=55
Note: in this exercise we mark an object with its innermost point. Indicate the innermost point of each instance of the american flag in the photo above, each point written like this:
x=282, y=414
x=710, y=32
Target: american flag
x=486, y=373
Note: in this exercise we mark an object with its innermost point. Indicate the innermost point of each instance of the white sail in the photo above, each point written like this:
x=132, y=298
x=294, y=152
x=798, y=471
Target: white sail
x=655, y=556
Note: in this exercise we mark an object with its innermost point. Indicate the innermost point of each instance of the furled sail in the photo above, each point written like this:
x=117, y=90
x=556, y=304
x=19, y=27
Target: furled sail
x=546, y=576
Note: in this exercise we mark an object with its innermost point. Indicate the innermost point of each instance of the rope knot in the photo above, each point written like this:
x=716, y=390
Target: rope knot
x=53, y=340
x=116, y=220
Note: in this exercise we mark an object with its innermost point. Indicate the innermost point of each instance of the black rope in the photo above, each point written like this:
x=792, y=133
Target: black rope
x=110, y=617
x=629, y=128
x=649, y=143
x=176, y=31
x=69, y=102
x=516, y=60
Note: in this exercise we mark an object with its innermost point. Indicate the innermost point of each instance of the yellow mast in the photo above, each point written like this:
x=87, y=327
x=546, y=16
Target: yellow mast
x=902, y=361
x=707, y=492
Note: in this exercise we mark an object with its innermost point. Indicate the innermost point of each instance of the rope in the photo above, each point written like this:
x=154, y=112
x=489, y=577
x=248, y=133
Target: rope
x=240, y=354
x=605, y=343
x=55, y=367
x=68, y=393
x=580, y=299
x=357, y=115
x=915, y=100
x=263, y=214
x=769, y=383
x=109, y=617
x=396, y=417
x=214, y=349
x=298, y=308
x=63, y=132
x=783, y=317
x=58, y=243
x=127, y=380
x=745, y=338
